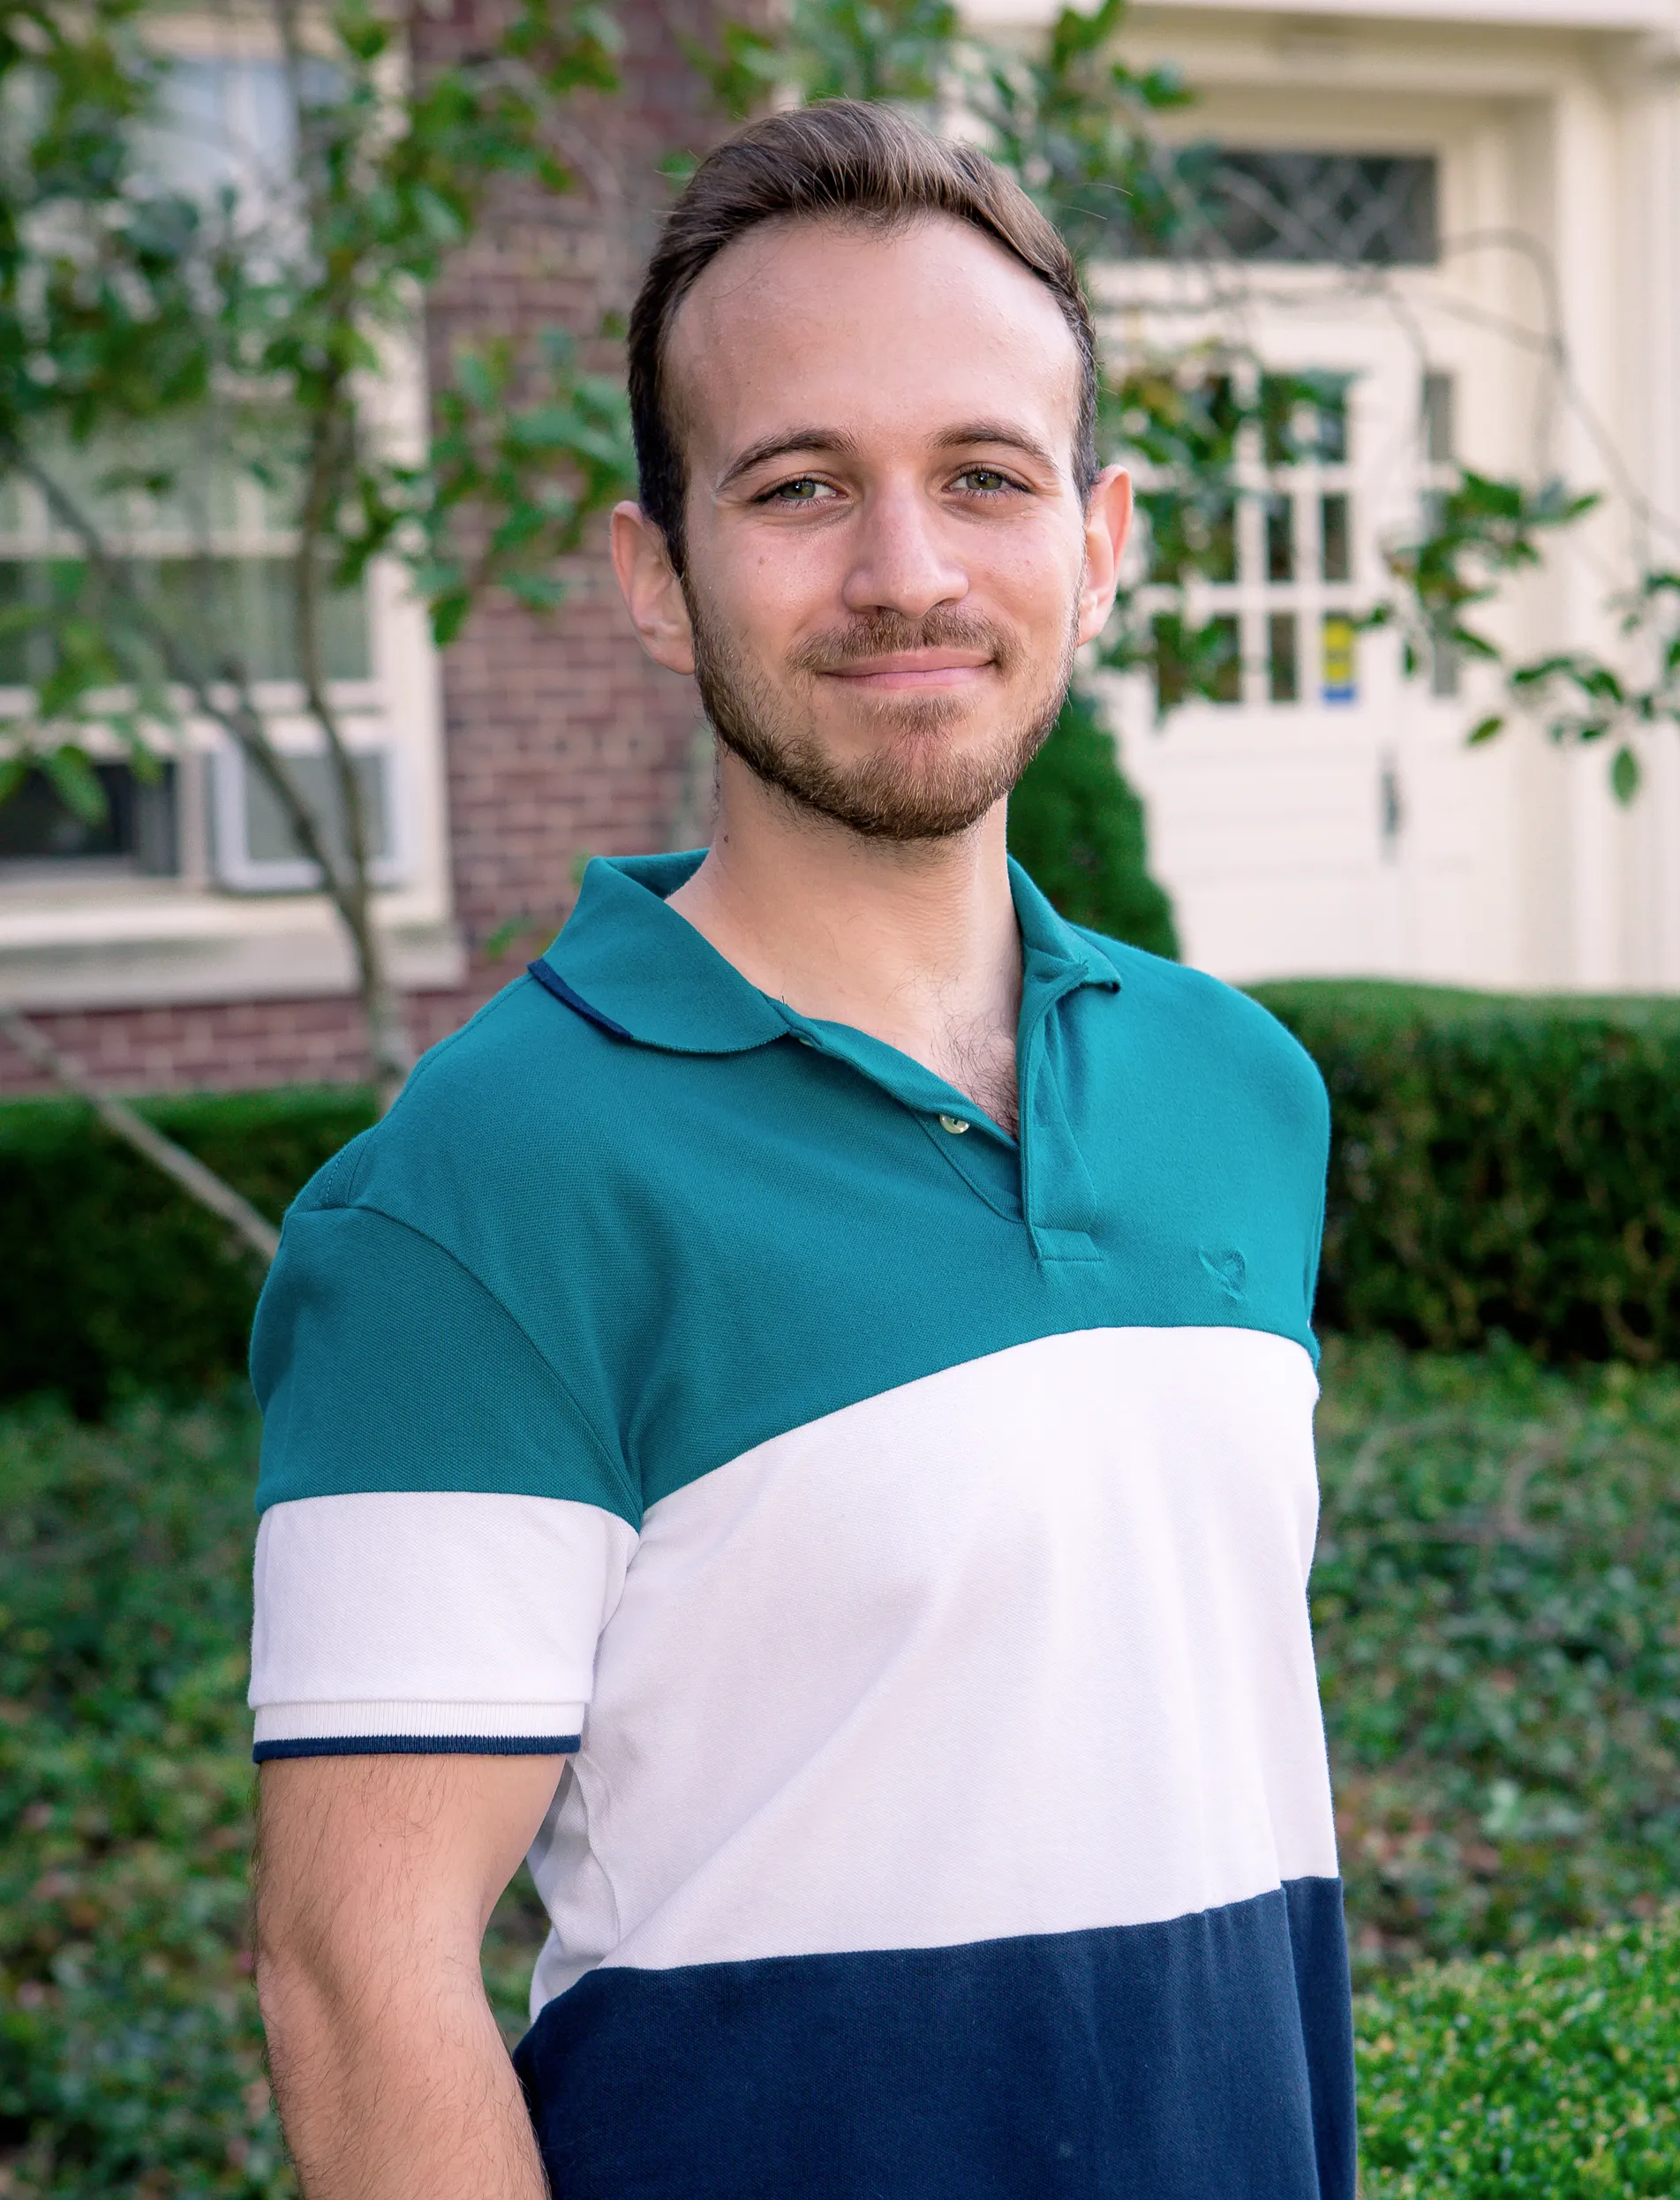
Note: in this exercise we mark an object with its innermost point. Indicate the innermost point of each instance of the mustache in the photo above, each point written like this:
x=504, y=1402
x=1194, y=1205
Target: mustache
x=889, y=633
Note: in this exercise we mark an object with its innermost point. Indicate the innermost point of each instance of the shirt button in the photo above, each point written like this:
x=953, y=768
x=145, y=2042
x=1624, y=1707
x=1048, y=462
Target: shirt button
x=954, y=1124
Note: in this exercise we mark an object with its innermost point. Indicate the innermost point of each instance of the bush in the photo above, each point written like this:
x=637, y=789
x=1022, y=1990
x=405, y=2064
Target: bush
x=112, y=1277
x=130, y=2034
x=1499, y=1165
x=1555, y=2075
x=130, y=2054
x=1494, y=1602
x=1078, y=827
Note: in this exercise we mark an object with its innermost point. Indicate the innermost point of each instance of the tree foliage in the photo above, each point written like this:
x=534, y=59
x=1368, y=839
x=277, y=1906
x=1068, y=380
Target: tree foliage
x=156, y=326
x=151, y=321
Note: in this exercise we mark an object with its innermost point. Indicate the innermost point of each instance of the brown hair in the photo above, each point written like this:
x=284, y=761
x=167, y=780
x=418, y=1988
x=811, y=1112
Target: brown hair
x=840, y=158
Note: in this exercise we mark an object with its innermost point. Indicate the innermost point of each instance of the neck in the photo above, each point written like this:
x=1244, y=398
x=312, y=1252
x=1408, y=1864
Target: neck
x=914, y=943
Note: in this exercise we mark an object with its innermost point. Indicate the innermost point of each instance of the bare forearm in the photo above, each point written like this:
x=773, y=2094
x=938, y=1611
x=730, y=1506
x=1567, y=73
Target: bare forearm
x=413, y=2098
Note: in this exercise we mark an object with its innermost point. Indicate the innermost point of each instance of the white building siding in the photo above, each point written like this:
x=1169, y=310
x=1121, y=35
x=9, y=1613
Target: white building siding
x=1364, y=837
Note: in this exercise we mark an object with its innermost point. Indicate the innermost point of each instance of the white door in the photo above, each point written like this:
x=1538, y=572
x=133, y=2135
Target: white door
x=1318, y=821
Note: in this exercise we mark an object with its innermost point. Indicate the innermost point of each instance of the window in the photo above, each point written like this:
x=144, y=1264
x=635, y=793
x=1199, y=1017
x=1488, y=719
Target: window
x=136, y=833
x=255, y=849
x=202, y=539
x=171, y=894
x=1346, y=209
x=1272, y=571
x=1436, y=439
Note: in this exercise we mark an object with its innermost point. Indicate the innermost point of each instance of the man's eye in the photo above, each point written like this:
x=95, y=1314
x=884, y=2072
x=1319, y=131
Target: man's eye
x=984, y=481
x=803, y=491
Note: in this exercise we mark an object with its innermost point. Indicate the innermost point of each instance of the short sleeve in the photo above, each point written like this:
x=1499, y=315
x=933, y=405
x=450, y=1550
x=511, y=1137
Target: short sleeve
x=443, y=1533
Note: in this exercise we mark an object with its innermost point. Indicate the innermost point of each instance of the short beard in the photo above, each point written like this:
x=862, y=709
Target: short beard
x=912, y=788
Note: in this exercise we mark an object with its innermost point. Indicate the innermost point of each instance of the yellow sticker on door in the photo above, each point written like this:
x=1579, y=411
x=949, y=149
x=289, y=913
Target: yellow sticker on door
x=1341, y=668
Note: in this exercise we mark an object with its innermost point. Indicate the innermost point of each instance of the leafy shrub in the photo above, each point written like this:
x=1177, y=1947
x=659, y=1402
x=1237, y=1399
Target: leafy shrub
x=114, y=1279
x=1555, y=2075
x=129, y=2033
x=1078, y=827
x=1496, y=1605
x=1499, y=1165
x=1496, y=1599
x=130, y=2054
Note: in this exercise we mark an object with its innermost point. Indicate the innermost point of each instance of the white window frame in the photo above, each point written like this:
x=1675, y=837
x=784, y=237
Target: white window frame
x=225, y=927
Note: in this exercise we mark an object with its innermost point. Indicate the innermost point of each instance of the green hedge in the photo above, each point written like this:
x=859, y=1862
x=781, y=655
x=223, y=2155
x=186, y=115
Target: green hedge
x=1495, y=1596
x=112, y=1279
x=1500, y=1165
x=1498, y=1649
x=1556, y=2076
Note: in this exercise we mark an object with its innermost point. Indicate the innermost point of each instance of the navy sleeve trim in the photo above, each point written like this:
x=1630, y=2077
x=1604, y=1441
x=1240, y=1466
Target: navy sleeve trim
x=421, y=1745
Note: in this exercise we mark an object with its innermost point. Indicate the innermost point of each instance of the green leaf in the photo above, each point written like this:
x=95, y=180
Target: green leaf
x=538, y=591
x=1625, y=774
x=1483, y=730
x=75, y=783
x=450, y=615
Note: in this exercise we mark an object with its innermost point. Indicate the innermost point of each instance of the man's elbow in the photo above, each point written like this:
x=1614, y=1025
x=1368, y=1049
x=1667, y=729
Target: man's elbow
x=295, y=1993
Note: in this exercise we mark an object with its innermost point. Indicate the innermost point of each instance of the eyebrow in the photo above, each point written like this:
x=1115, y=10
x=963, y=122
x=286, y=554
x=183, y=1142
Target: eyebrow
x=784, y=445
x=997, y=432
x=802, y=439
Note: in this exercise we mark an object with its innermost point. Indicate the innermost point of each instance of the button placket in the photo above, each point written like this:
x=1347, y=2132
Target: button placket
x=1047, y=1128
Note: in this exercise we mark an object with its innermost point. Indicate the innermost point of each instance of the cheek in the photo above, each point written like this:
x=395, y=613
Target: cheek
x=771, y=592
x=1034, y=579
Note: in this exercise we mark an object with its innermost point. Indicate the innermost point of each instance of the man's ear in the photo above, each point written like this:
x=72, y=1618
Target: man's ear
x=652, y=591
x=1108, y=521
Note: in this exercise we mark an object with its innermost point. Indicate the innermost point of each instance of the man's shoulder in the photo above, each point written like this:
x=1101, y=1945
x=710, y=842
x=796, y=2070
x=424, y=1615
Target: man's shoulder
x=520, y=1094
x=1213, y=1031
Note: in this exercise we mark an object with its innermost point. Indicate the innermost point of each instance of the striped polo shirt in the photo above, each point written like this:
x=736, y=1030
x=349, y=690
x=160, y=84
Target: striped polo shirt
x=900, y=1532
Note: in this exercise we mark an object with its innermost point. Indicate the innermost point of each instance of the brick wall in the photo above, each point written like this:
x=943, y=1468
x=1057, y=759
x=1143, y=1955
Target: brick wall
x=561, y=738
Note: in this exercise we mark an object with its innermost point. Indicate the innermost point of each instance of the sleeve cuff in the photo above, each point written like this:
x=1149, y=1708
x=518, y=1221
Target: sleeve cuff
x=412, y=1730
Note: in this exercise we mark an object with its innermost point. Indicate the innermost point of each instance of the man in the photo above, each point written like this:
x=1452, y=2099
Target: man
x=800, y=1418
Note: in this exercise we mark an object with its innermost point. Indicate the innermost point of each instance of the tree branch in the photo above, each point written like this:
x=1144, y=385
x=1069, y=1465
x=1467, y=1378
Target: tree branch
x=258, y=1235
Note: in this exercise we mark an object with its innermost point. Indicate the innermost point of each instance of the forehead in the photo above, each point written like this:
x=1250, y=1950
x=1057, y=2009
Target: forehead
x=882, y=333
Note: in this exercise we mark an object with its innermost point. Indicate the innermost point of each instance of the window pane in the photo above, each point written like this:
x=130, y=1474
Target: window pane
x=1219, y=530
x=1280, y=539
x=239, y=611
x=1197, y=663
x=1340, y=657
x=14, y=638
x=268, y=834
x=38, y=826
x=1221, y=640
x=1330, y=436
x=1337, y=559
x=1346, y=209
x=1186, y=535
x=1303, y=417
x=1283, y=669
x=1437, y=419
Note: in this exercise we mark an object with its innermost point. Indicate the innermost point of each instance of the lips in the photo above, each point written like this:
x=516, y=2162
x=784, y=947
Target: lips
x=916, y=668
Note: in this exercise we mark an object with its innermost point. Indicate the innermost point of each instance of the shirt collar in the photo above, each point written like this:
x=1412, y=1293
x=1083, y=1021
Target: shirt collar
x=629, y=962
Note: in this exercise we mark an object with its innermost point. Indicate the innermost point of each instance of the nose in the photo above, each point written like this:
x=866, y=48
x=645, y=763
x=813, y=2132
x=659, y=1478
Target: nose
x=902, y=561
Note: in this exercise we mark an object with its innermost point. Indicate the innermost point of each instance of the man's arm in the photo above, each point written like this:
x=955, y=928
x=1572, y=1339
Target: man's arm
x=376, y=1879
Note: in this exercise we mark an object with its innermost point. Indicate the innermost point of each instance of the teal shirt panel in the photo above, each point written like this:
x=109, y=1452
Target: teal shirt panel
x=574, y=1264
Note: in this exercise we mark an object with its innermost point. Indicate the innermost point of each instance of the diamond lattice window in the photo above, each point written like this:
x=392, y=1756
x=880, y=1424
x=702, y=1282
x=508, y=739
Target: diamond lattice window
x=1343, y=209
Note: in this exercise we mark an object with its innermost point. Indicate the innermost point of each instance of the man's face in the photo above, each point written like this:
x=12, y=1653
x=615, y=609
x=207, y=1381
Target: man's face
x=886, y=570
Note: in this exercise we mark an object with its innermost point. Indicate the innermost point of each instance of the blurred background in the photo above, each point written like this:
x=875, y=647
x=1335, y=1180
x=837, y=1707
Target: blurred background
x=316, y=696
